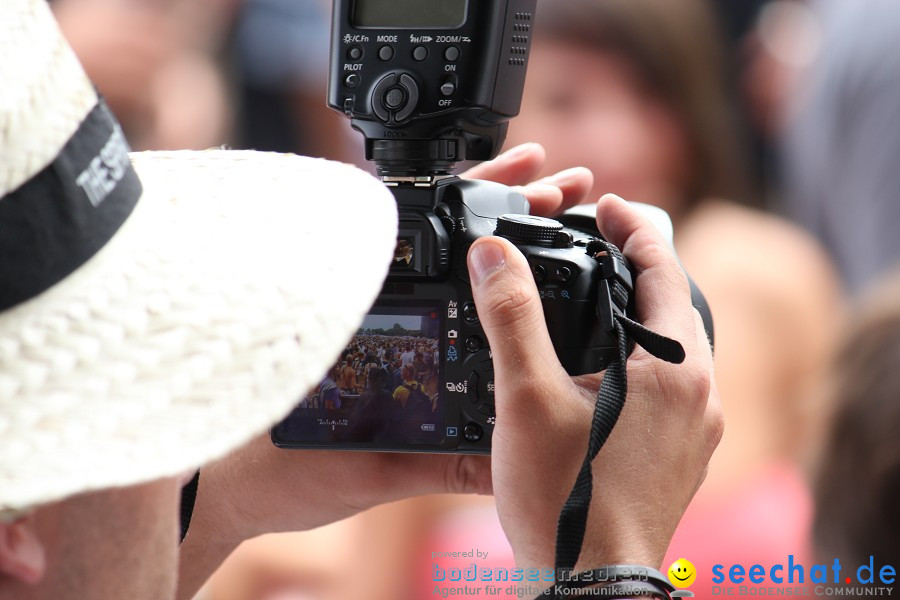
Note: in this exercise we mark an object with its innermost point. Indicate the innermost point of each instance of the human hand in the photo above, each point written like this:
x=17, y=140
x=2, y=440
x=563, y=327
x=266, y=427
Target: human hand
x=262, y=489
x=656, y=456
x=549, y=196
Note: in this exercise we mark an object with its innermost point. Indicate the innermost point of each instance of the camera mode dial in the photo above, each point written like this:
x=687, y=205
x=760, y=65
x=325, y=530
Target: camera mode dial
x=528, y=229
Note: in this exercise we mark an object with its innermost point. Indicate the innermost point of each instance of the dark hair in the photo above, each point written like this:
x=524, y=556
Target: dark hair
x=857, y=488
x=676, y=50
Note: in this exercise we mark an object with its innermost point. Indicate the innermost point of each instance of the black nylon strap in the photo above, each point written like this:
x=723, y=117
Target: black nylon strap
x=188, y=498
x=610, y=402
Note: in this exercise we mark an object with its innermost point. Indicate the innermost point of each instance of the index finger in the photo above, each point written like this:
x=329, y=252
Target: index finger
x=663, y=296
x=514, y=167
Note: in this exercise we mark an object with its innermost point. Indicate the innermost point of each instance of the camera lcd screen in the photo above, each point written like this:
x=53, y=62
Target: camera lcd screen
x=410, y=14
x=384, y=390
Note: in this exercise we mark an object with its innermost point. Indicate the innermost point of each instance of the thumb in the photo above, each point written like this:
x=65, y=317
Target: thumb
x=512, y=316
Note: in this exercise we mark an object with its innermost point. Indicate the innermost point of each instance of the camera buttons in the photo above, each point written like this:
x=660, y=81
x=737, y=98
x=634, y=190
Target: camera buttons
x=352, y=80
x=394, y=98
x=354, y=53
x=539, y=273
x=451, y=53
x=470, y=313
x=386, y=53
x=448, y=88
x=412, y=98
x=564, y=274
x=420, y=53
x=474, y=344
x=473, y=432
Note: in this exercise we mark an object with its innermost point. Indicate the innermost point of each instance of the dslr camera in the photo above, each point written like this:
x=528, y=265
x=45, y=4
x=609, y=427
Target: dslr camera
x=430, y=84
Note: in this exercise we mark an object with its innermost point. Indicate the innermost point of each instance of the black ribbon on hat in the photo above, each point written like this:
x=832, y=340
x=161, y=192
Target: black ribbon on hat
x=61, y=217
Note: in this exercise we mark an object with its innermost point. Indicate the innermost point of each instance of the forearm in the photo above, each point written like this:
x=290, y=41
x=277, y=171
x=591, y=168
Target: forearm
x=200, y=556
x=205, y=546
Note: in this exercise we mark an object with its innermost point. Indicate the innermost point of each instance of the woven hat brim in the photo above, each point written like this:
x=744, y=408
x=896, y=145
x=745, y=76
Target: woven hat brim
x=222, y=299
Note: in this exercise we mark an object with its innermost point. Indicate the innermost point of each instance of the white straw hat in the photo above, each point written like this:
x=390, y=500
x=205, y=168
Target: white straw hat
x=143, y=334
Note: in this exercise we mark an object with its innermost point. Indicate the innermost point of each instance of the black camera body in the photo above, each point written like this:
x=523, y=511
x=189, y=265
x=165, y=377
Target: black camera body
x=430, y=84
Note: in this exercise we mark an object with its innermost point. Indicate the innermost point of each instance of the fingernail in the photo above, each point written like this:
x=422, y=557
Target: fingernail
x=484, y=259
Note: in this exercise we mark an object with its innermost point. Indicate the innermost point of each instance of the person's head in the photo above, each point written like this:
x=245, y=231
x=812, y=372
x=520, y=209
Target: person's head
x=635, y=91
x=113, y=543
x=375, y=379
x=857, y=487
x=138, y=341
x=409, y=372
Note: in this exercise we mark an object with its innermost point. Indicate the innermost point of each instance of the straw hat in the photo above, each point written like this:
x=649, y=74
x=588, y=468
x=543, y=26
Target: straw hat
x=143, y=333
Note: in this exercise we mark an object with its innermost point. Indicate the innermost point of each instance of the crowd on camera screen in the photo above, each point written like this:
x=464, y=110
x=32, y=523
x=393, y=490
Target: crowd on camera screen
x=383, y=375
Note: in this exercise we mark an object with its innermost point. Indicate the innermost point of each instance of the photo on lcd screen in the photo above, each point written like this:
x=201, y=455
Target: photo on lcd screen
x=384, y=389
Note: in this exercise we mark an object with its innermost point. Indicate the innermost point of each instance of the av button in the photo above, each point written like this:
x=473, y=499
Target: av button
x=470, y=313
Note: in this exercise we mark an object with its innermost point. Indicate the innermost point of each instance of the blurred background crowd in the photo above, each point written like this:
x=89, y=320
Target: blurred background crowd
x=770, y=132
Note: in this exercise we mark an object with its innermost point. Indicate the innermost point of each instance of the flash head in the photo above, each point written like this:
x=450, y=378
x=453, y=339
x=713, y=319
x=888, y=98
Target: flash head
x=429, y=84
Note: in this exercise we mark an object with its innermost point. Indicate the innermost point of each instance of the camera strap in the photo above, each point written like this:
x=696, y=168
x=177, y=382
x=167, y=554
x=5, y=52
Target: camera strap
x=610, y=401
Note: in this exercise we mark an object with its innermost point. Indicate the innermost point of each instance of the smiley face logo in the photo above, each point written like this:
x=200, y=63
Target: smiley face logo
x=682, y=573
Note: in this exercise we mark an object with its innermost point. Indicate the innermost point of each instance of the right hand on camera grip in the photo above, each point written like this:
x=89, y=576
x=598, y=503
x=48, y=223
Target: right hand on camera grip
x=656, y=457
